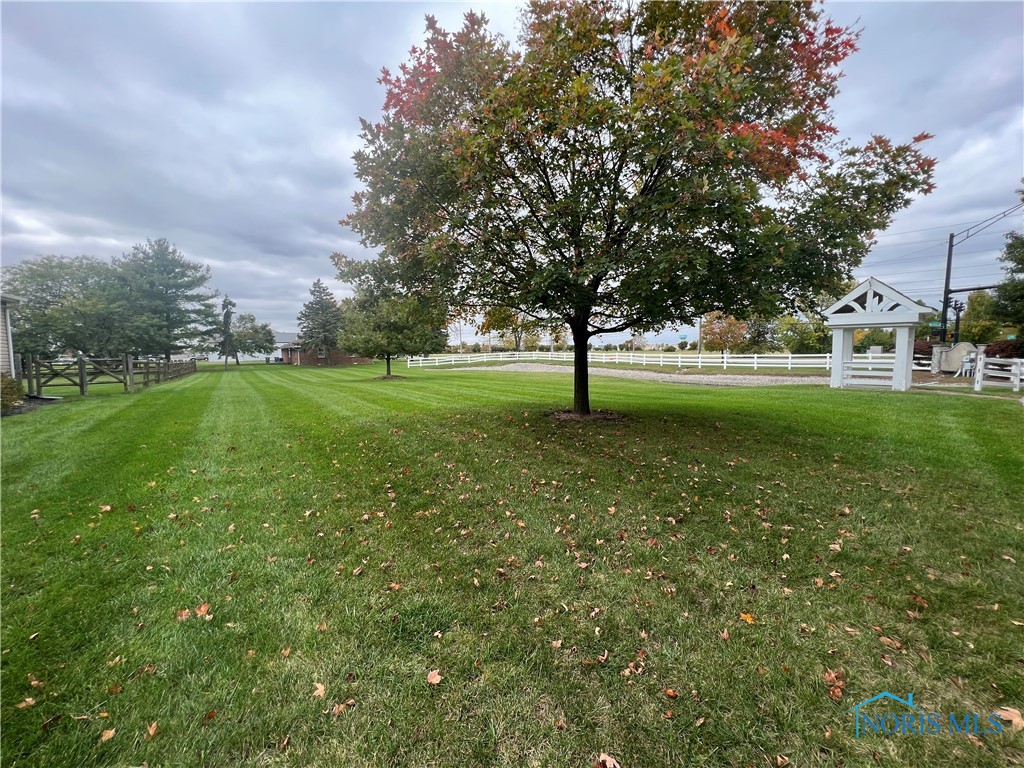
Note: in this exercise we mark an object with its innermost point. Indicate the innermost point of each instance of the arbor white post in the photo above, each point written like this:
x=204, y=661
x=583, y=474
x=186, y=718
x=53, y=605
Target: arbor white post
x=842, y=352
x=903, y=367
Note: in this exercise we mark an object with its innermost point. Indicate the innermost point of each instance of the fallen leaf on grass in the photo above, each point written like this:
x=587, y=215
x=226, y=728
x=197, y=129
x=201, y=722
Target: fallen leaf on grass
x=724, y=634
x=287, y=652
x=108, y=734
x=887, y=660
x=339, y=709
x=203, y=609
x=150, y=731
x=114, y=689
x=836, y=682
x=434, y=676
x=888, y=642
x=321, y=627
x=556, y=644
x=357, y=571
x=975, y=741
x=667, y=715
x=606, y=761
x=210, y=715
x=1013, y=717
x=51, y=722
x=29, y=702
x=319, y=691
x=781, y=761
x=671, y=694
x=394, y=586
x=184, y=614
x=749, y=618
x=918, y=600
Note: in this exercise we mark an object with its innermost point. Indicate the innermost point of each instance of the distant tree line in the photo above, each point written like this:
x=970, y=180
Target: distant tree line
x=151, y=301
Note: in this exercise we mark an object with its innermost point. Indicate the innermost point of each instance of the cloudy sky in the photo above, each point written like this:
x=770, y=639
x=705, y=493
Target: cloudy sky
x=229, y=129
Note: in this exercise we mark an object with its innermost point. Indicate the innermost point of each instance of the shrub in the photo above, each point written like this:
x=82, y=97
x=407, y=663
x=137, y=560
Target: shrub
x=1005, y=348
x=11, y=393
x=923, y=349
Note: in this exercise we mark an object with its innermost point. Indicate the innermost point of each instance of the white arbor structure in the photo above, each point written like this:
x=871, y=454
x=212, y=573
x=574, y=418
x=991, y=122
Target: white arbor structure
x=873, y=304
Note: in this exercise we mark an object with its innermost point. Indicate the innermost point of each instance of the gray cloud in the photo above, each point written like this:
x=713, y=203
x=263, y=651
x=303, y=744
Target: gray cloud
x=229, y=128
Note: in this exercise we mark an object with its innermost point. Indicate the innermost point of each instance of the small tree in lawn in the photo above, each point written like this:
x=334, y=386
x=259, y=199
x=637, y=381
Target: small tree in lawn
x=722, y=332
x=630, y=166
x=381, y=321
x=320, y=320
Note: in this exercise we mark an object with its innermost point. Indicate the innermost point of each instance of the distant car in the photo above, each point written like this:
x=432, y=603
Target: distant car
x=200, y=358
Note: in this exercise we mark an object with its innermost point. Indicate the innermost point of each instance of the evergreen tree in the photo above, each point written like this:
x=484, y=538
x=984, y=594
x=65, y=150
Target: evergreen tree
x=171, y=303
x=320, y=321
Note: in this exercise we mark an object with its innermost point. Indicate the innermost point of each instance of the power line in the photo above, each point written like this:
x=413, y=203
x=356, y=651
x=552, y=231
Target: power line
x=925, y=229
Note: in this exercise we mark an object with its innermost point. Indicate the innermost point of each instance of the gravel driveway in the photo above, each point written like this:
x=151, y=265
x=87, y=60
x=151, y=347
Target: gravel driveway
x=715, y=380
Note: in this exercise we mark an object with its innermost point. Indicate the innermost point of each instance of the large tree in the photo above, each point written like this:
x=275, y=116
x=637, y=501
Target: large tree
x=1009, y=307
x=173, y=307
x=628, y=166
x=383, y=321
x=71, y=305
x=252, y=337
x=320, y=320
x=979, y=324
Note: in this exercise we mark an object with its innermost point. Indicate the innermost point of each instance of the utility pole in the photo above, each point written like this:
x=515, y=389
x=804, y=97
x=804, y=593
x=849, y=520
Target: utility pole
x=945, y=287
x=967, y=233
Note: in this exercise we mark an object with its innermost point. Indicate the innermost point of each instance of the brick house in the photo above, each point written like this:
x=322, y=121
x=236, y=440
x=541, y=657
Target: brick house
x=294, y=354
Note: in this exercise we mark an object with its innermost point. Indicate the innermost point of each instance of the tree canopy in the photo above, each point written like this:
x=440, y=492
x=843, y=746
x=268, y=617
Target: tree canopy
x=71, y=305
x=1009, y=295
x=627, y=167
x=152, y=301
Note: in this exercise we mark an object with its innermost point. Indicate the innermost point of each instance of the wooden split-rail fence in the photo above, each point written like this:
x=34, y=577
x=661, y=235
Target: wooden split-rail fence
x=81, y=372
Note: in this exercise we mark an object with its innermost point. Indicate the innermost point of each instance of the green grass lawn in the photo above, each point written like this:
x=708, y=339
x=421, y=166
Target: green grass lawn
x=261, y=568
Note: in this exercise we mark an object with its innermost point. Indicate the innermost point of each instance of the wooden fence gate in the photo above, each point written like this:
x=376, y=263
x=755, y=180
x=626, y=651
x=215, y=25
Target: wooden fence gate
x=83, y=371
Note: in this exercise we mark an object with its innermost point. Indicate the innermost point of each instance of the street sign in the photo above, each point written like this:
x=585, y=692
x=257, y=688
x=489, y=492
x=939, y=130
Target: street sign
x=1012, y=337
x=934, y=324
x=682, y=337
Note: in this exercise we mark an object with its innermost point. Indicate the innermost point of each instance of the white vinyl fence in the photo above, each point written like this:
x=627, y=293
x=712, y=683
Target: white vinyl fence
x=676, y=360
x=998, y=372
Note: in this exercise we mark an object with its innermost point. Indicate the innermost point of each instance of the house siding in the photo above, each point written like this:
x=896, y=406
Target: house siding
x=6, y=351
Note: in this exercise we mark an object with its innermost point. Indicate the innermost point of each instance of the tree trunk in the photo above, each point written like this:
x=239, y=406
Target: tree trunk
x=387, y=362
x=580, y=372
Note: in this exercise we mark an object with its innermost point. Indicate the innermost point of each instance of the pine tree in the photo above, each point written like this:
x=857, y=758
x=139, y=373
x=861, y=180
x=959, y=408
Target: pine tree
x=320, y=321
